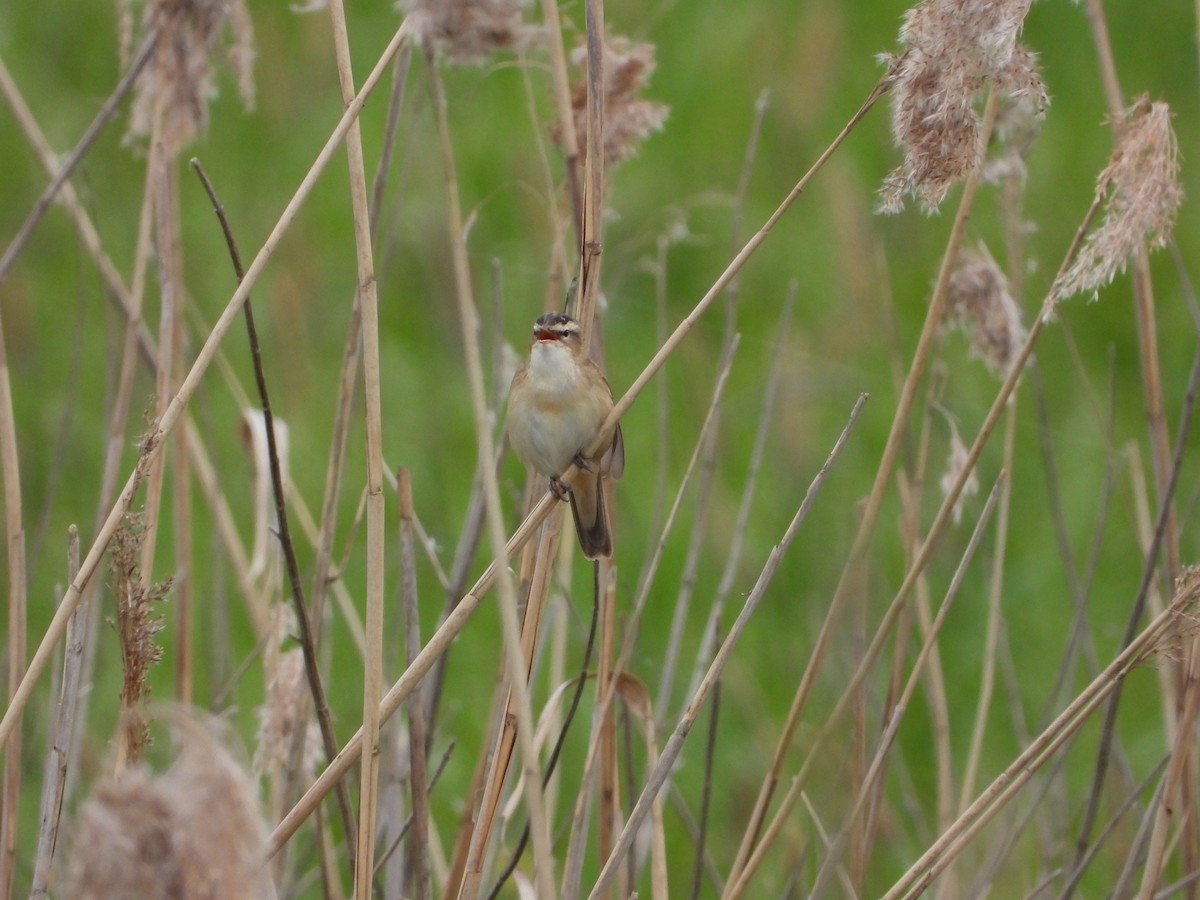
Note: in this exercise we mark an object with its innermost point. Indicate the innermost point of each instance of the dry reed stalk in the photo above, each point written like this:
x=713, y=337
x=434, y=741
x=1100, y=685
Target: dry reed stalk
x=593, y=177
x=494, y=517
x=417, y=866
x=674, y=745
x=58, y=754
x=368, y=303
x=182, y=516
x=1178, y=793
x=995, y=617
x=174, y=412
x=952, y=493
x=14, y=543
x=165, y=239
x=1147, y=644
x=504, y=714
x=567, y=136
x=766, y=415
x=935, y=684
x=874, y=502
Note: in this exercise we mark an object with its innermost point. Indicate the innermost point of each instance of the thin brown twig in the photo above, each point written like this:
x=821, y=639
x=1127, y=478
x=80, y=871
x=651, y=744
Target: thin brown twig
x=311, y=666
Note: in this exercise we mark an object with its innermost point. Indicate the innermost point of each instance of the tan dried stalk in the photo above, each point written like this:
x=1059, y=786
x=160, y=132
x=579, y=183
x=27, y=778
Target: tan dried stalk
x=54, y=787
x=369, y=313
x=14, y=543
x=516, y=665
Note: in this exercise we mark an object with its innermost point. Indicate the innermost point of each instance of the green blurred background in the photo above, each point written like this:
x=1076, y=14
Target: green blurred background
x=862, y=282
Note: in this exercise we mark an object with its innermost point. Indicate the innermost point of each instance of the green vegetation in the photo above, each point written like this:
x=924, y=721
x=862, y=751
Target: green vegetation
x=756, y=93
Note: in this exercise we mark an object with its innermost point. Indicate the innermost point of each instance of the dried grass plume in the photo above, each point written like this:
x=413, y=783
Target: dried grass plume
x=628, y=118
x=1143, y=194
x=470, y=31
x=952, y=49
x=980, y=303
x=179, y=82
x=138, y=621
x=192, y=833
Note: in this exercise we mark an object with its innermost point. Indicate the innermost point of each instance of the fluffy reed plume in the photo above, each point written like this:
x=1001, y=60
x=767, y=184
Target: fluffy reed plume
x=953, y=49
x=192, y=833
x=470, y=31
x=954, y=466
x=1142, y=191
x=980, y=304
x=286, y=708
x=628, y=119
x=137, y=623
x=179, y=79
x=1018, y=123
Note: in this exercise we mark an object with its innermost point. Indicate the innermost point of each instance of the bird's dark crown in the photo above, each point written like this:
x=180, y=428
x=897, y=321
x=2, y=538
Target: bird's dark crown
x=556, y=322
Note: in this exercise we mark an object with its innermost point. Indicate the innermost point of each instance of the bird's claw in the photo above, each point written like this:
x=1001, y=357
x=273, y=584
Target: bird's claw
x=558, y=489
x=584, y=463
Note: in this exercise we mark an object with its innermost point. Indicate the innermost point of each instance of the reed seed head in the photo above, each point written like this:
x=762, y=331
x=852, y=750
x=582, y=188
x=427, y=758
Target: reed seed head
x=628, y=118
x=953, y=48
x=1141, y=191
x=980, y=303
x=179, y=81
x=193, y=833
x=470, y=31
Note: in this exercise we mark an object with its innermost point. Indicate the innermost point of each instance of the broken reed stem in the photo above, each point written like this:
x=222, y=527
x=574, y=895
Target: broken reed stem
x=75, y=157
x=417, y=867
x=54, y=787
x=874, y=502
x=368, y=303
x=458, y=617
x=170, y=418
x=593, y=176
x=464, y=294
x=670, y=752
x=14, y=542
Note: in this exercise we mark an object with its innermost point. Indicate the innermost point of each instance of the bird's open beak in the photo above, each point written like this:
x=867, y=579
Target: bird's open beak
x=543, y=334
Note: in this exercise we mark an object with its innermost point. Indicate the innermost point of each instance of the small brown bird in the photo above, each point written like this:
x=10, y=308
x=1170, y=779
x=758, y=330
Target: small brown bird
x=558, y=400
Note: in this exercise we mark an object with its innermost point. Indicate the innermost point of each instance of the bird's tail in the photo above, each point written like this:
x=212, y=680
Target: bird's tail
x=591, y=521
